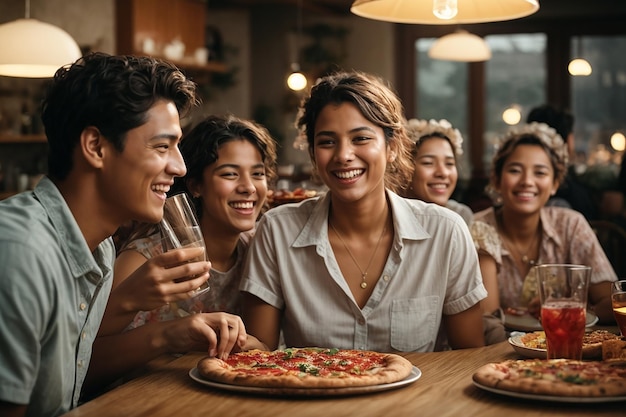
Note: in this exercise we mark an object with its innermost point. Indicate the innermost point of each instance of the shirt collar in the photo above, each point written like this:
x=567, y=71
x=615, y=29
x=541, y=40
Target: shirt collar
x=403, y=213
x=71, y=240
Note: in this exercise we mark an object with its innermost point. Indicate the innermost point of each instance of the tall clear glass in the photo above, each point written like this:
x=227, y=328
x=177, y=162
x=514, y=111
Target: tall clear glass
x=180, y=229
x=563, y=292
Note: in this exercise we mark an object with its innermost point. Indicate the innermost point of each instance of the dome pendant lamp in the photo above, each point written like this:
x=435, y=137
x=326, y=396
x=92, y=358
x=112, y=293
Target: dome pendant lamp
x=444, y=12
x=579, y=66
x=460, y=46
x=33, y=49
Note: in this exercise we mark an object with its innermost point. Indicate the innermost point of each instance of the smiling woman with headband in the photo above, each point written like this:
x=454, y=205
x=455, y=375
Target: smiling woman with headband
x=435, y=154
x=520, y=231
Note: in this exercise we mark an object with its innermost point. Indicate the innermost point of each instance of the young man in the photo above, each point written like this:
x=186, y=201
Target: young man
x=113, y=128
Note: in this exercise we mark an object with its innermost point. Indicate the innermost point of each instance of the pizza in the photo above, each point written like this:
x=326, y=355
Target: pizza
x=306, y=368
x=555, y=377
x=592, y=342
x=614, y=349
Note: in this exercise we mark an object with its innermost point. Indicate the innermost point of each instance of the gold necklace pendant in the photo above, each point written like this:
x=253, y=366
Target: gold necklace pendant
x=363, y=284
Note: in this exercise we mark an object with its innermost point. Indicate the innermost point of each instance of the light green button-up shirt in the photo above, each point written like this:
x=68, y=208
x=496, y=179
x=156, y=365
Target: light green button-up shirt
x=53, y=292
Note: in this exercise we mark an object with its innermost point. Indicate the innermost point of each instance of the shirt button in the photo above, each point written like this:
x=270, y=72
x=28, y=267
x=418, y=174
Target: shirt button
x=386, y=278
x=83, y=306
x=361, y=322
x=83, y=335
x=80, y=363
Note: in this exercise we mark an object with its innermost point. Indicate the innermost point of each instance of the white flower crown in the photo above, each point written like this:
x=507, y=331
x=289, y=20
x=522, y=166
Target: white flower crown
x=419, y=129
x=547, y=135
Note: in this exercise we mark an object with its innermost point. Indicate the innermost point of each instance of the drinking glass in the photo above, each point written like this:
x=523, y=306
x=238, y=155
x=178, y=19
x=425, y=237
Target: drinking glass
x=618, y=300
x=180, y=229
x=563, y=293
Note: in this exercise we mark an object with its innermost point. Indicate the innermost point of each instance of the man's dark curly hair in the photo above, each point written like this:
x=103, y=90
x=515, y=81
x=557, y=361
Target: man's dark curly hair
x=110, y=93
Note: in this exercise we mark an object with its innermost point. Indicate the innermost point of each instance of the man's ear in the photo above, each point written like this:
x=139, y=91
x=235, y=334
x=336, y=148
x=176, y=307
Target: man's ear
x=92, y=146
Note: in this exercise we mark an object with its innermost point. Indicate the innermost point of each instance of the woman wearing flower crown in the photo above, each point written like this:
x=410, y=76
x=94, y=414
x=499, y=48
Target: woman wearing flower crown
x=437, y=147
x=520, y=231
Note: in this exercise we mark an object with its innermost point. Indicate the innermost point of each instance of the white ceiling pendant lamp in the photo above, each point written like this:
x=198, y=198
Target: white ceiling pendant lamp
x=579, y=67
x=297, y=80
x=30, y=48
x=460, y=46
x=443, y=12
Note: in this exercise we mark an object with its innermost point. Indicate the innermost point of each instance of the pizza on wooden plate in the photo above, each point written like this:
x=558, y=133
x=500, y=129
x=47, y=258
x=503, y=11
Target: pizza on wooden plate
x=592, y=342
x=555, y=377
x=306, y=368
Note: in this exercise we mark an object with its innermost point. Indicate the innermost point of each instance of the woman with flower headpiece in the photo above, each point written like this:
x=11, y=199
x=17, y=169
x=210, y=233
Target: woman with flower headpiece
x=520, y=231
x=437, y=147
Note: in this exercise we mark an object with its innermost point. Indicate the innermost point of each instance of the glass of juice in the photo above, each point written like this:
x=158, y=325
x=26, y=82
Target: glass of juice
x=563, y=293
x=618, y=300
x=180, y=228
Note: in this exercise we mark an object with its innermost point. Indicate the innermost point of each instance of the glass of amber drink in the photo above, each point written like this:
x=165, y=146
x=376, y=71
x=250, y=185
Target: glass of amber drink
x=563, y=293
x=180, y=228
x=618, y=300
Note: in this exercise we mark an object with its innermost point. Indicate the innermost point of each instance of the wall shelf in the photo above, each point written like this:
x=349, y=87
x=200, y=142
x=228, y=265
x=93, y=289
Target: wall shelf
x=8, y=138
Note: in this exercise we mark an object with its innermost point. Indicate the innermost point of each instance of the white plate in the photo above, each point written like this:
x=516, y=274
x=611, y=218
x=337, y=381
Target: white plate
x=553, y=398
x=528, y=323
x=518, y=345
x=307, y=392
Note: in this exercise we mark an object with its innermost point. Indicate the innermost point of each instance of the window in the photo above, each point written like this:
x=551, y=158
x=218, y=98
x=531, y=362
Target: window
x=599, y=100
x=442, y=94
x=515, y=79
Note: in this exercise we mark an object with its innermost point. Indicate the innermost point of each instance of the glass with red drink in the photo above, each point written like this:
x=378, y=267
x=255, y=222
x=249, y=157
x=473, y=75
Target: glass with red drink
x=563, y=293
x=618, y=300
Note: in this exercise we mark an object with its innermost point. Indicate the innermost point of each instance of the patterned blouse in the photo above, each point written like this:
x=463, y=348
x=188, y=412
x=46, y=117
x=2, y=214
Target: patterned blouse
x=566, y=238
x=223, y=296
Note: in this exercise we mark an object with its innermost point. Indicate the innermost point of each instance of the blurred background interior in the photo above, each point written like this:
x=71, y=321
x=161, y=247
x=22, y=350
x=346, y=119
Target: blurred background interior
x=240, y=52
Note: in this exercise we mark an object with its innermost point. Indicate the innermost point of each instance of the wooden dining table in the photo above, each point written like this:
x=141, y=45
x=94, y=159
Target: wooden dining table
x=445, y=388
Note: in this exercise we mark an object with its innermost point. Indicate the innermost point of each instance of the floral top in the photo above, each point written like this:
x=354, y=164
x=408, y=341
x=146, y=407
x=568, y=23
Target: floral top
x=566, y=238
x=223, y=296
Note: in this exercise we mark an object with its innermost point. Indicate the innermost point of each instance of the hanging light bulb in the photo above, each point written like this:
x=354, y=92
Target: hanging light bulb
x=296, y=80
x=33, y=49
x=618, y=141
x=579, y=66
x=512, y=115
x=445, y=9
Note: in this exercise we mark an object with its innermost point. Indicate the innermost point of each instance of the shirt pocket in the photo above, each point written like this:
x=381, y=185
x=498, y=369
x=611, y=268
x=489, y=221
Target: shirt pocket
x=413, y=323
